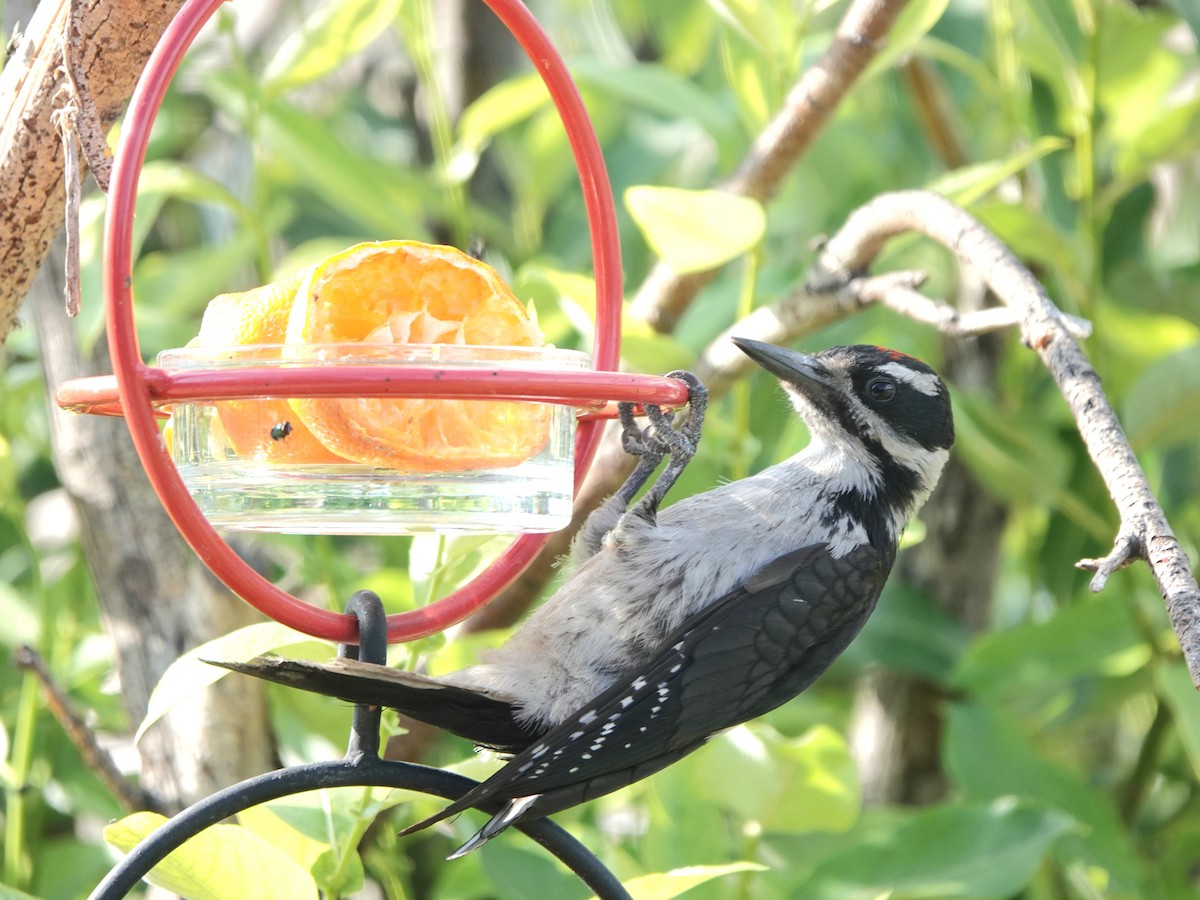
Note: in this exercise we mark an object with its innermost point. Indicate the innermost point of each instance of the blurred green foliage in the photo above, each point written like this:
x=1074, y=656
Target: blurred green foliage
x=1073, y=742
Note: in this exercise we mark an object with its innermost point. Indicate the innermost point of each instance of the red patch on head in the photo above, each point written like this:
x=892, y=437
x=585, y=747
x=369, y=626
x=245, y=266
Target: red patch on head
x=894, y=355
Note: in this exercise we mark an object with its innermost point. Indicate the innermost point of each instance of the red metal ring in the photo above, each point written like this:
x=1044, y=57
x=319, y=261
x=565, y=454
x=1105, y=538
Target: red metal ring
x=136, y=381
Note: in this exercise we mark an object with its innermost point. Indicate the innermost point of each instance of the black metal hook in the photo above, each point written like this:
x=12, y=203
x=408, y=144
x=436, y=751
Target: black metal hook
x=371, y=648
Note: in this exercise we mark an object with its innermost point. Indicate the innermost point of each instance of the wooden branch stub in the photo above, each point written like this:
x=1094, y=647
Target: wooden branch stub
x=89, y=129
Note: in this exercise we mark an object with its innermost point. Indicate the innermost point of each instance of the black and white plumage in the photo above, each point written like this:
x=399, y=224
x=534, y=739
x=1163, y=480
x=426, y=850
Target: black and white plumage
x=677, y=625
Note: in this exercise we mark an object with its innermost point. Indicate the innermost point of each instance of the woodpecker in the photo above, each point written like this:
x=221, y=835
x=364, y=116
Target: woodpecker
x=680, y=624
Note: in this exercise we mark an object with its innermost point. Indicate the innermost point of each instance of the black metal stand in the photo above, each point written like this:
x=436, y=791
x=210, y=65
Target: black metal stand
x=362, y=767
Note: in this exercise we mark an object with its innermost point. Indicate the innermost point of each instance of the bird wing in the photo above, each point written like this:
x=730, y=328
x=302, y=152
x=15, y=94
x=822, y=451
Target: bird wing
x=747, y=653
x=486, y=717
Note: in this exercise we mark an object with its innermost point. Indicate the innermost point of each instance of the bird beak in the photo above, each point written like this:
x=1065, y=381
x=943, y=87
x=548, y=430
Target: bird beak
x=798, y=370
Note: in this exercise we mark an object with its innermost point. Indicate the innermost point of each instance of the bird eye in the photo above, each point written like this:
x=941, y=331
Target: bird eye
x=882, y=390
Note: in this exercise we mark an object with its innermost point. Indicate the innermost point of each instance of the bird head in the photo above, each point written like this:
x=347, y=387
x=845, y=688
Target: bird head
x=887, y=410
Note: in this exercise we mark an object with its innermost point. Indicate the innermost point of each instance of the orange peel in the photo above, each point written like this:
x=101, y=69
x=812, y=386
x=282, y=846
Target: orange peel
x=378, y=295
x=395, y=293
x=250, y=318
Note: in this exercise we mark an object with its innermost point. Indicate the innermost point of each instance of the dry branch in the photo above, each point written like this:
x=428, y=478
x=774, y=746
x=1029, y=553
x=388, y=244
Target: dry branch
x=1144, y=532
x=665, y=295
x=114, y=40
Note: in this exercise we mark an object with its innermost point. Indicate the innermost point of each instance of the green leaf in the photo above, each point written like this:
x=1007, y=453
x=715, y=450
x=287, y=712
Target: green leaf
x=1103, y=635
x=976, y=851
x=748, y=79
x=338, y=876
x=910, y=632
x=913, y=23
x=970, y=183
x=300, y=846
x=796, y=786
x=518, y=871
x=437, y=562
x=189, y=674
x=320, y=830
x=224, y=862
x=384, y=199
x=754, y=19
x=1019, y=458
x=657, y=89
x=989, y=756
x=1163, y=406
x=332, y=34
x=1172, y=134
x=696, y=230
x=574, y=294
x=172, y=286
x=667, y=885
x=1175, y=684
x=646, y=86
x=1133, y=76
x=646, y=350
x=1048, y=54
x=498, y=109
x=1031, y=235
x=183, y=182
x=18, y=611
x=10, y=893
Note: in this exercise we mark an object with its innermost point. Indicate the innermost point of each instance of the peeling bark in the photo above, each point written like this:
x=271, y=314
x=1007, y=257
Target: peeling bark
x=116, y=37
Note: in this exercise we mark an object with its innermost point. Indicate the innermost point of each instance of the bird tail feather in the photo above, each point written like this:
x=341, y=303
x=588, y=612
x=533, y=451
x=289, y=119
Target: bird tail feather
x=487, y=718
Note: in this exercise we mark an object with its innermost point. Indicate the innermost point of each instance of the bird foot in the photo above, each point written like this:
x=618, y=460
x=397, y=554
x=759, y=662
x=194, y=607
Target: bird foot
x=662, y=438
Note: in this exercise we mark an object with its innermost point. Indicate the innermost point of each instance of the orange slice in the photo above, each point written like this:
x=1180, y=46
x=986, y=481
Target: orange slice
x=260, y=430
x=394, y=293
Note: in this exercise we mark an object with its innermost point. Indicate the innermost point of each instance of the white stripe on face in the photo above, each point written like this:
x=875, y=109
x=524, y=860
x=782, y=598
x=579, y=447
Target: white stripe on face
x=925, y=382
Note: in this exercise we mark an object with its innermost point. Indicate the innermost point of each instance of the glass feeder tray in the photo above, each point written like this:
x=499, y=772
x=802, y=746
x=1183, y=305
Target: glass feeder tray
x=252, y=465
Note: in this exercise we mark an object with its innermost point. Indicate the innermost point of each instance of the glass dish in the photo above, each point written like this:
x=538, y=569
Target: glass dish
x=253, y=465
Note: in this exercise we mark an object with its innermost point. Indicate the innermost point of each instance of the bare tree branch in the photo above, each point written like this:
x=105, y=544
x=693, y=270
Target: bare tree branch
x=131, y=796
x=111, y=44
x=1144, y=532
x=665, y=295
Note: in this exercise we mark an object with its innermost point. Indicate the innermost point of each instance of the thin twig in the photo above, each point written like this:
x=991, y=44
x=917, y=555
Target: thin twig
x=1144, y=532
x=77, y=122
x=665, y=295
x=132, y=797
x=64, y=120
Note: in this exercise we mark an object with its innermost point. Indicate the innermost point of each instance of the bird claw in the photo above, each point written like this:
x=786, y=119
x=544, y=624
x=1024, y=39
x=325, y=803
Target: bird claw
x=661, y=438
x=683, y=440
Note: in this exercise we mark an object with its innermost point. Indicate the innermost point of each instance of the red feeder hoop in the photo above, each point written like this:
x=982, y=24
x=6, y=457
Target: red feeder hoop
x=138, y=387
